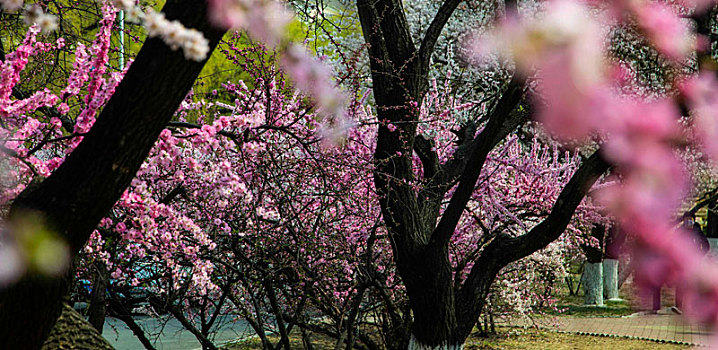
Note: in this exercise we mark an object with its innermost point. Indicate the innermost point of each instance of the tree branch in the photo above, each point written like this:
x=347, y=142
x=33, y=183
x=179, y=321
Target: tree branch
x=434, y=31
x=483, y=144
x=553, y=226
x=177, y=314
x=429, y=158
x=505, y=249
x=121, y=313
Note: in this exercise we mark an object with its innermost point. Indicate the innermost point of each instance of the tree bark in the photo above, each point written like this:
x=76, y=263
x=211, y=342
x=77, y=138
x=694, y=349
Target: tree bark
x=83, y=189
x=415, y=344
x=712, y=225
x=97, y=309
x=71, y=331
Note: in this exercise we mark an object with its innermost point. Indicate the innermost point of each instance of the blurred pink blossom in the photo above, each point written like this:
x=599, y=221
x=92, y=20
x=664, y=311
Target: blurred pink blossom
x=664, y=28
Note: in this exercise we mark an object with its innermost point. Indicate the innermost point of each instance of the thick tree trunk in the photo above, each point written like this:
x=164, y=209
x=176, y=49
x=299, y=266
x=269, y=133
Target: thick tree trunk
x=610, y=279
x=71, y=331
x=73, y=200
x=593, y=283
x=444, y=316
x=428, y=281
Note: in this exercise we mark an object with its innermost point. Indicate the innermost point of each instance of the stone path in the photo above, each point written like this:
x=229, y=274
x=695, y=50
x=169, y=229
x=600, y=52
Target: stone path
x=660, y=327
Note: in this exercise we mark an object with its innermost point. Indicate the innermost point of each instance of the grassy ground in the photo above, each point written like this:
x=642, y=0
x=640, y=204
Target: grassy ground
x=572, y=305
x=507, y=338
x=532, y=339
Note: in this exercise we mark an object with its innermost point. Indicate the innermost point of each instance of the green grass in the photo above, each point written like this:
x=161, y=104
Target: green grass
x=572, y=305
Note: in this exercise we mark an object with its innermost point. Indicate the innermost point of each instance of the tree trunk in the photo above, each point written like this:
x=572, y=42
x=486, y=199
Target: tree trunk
x=712, y=225
x=415, y=344
x=71, y=331
x=429, y=284
x=75, y=197
x=97, y=309
x=610, y=279
x=593, y=284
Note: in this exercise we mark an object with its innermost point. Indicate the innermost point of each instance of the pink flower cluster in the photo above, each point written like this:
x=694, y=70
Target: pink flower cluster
x=33, y=141
x=315, y=79
x=267, y=21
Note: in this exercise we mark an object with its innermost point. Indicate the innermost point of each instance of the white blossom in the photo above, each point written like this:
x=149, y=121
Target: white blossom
x=11, y=5
x=194, y=45
x=123, y=4
x=154, y=23
x=47, y=22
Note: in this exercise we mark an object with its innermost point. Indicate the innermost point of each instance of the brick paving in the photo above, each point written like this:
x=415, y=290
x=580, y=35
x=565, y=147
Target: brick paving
x=661, y=327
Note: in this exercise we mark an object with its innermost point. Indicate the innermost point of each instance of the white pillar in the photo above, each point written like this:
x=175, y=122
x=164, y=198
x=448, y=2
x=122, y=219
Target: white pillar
x=610, y=279
x=121, y=19
x=593, y=284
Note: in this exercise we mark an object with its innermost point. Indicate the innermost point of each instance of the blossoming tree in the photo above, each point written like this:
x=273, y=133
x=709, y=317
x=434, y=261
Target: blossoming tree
x=559, y=50
x=437, y=180
x=248, y=214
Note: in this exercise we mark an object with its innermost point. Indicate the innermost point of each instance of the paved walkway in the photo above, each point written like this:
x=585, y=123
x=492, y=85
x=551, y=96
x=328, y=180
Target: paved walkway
x=662, y=327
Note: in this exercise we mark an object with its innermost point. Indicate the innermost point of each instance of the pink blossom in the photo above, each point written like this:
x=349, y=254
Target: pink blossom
x=265, y=20
x=702, y=94
x=666, y=30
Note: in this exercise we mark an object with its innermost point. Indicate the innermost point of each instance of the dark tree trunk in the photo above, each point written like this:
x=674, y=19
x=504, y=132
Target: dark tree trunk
x=594, y=254
x=79, y=193
x=97, y=309
x=712, y=225
x=428, y=280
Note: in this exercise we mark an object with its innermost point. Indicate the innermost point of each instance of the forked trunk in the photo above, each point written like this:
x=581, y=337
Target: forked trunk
x=428, y=279
x=443, y=317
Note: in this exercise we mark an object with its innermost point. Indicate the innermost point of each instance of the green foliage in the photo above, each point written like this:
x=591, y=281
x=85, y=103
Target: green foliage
x=221, y=66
